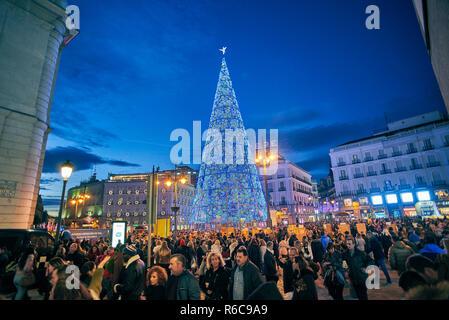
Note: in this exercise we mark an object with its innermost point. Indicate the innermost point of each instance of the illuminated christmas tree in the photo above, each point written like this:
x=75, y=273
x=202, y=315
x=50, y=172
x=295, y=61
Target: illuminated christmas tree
x=228, y=193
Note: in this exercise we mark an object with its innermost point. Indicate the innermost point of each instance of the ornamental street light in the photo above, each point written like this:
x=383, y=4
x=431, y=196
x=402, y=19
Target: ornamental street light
x=264, y=159
x=175, y=207
x=66, y=172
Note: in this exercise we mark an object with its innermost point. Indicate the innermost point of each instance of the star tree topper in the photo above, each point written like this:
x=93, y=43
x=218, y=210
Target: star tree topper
x=223, y=50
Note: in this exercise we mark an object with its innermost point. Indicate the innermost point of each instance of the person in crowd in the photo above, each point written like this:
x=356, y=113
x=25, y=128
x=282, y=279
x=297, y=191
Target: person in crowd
x=386, y=241
x=270, y=267
x=216, y=279
x=75, y=255
x=357, y=262
x=317, y=249
x=4, y=259
x=398, y=254
x=431, y=250
x=245, y=276
x=304, y=282
x=216, y=247
x=288, y=271
x=163, y=256
x=360, y=242
x=413, y=237
x=47, y=285
x=24, y=277
x=324, y=240
x=334, y=278
x=155, y=283
x=87, y=271
x=93, y=254
x=376, y=248
x=263, y=249
x=181, y=284
x=254, y=252
x=131, y=282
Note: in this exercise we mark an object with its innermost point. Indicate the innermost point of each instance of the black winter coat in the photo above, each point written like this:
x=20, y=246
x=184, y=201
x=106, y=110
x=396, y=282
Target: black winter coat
x=131, y=282
x=218, y=284
x=355, y=263
x=269, y=266
x=252, y=279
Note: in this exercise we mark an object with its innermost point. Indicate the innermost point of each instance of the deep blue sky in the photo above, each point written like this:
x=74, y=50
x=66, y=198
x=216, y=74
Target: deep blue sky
x=308, y=68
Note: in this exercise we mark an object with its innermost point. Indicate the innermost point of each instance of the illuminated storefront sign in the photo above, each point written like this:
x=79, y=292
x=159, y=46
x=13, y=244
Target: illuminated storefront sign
x=444, y=211
x=410, y=212
x=391, y=198
x=348, y=202
x=364, y=201
x=379, y=214
x=377, y=200
x=423, y=195
x=426, y=209
x=407, y=197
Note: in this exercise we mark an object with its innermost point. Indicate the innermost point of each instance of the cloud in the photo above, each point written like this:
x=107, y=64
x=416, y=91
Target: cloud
x=285, y=119
x=49, y=180
x=306, y=139
x=80, y=158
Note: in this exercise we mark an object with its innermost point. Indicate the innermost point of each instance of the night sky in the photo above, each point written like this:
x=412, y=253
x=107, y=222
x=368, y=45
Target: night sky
x=308, y=68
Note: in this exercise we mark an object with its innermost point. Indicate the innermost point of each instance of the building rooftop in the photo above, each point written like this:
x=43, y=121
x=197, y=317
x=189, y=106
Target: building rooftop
x=412, y=123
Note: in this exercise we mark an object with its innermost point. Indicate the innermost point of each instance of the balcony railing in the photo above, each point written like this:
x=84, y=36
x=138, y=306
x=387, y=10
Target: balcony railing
x=389, y=188
x=282, y=189
x=371, y=173
x=346, y=193
x=400, y=169
x=281, y=176
x=358, y=175
x=438, y=183
x=374, y=190
x=411, y=150
x=368, y=159
x=397, y=153
x=415, y=167
x=386, y=171
x=361, y=191
x=420, y=184
x=433, y=164
x=341, y=164
x=343, y=178
x=382, y=156
x=270, y=190
x=404, y=186
x=354, y=161
x=428, y=147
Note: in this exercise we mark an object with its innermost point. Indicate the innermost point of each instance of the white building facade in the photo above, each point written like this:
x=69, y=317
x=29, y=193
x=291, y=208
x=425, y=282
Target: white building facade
x=290, y=192
x=411, y=157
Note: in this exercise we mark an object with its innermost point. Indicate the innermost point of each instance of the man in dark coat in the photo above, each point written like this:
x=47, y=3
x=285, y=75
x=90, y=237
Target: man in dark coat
x=181, y=284
x=357, y=262
x=254, y=252
x=245, y=277
x=378, y=252
x=131, y=282
x=271, y=273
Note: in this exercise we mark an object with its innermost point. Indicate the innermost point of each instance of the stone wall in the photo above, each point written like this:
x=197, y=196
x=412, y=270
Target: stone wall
x=31, y=33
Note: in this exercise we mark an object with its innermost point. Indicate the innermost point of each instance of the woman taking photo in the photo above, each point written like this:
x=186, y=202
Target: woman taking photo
x=216, y=279
x=155, y=284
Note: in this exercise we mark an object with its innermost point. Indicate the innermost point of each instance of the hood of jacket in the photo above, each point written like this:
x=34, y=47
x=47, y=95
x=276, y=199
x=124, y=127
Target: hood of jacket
x=432, y=248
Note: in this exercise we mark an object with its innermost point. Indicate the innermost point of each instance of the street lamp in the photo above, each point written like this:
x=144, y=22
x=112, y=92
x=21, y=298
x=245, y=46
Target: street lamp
x=175, y=207
x=264, y=160
x=66, y=172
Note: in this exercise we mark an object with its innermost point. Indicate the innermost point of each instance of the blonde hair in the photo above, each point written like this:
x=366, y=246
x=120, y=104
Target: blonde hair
x=209, y=258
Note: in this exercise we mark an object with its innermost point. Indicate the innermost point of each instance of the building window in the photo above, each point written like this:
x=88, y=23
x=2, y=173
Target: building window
x=402, y=181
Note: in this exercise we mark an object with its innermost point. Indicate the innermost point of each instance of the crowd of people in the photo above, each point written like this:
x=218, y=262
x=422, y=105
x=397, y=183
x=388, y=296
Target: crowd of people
x=215, y=266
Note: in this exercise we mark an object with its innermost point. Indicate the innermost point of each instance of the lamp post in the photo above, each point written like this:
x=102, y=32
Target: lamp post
x=264, y=159
x=175, y=207
x=66, y=172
